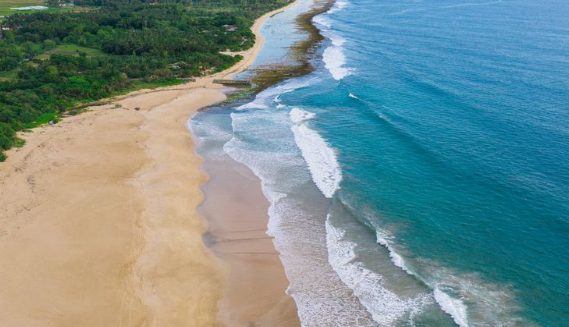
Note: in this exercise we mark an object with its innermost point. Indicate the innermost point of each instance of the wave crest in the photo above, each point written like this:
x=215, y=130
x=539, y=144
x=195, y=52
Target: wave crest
x=385, y=306
x=320, y=157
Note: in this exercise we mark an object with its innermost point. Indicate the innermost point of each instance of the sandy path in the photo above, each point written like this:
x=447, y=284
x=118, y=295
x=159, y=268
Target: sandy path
x=97, y=217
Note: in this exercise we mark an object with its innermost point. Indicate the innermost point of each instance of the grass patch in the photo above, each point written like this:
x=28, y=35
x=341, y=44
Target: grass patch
x=75, y=49
x=43, y=119
x=18, y=143
x=71, y=50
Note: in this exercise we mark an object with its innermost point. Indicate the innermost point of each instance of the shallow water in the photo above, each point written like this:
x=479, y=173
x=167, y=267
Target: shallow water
x=419, y=177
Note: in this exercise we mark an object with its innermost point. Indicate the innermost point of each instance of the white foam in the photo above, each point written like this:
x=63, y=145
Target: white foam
x=334, y=59
x=337, y=40
x=384, y=239
x=338, y=5
x=271, y=95
x=208, y=133
x=469, y=300
x=322, y=20
x=333, y=56
x=298, y=115
x=385, y=306
x=454, y=307
x=207, y=130
x=319, y=156
x=264, y=142
x=353, y=96
x=484, y=297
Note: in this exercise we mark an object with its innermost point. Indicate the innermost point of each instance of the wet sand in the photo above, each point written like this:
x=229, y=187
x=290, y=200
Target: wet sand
x=236, y=211
x=98, y=224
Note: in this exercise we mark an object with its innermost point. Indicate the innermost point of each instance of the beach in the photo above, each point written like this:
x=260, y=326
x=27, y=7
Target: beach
x=397, y=163
x=99, y=224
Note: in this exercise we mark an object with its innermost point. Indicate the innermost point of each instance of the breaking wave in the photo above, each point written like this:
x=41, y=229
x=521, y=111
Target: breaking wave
x=319, y=156
x=333, y=57
x=386, y=307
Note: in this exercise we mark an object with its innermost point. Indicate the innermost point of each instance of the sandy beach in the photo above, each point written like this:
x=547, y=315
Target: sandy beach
x=98, y=224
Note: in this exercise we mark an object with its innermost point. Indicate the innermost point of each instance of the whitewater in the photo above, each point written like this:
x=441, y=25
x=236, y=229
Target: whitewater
x=417, y=176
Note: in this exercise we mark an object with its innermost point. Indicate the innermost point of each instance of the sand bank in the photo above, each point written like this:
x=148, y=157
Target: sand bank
x=97, y=217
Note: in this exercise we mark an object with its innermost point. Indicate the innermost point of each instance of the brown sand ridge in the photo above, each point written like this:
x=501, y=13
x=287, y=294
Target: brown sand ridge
x=97, y=217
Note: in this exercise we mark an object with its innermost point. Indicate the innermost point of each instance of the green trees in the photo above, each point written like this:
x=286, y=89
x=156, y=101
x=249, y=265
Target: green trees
x=50, y=62
x=7, y=138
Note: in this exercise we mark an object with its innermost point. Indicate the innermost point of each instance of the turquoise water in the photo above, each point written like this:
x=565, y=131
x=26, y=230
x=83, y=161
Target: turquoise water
x=420, y=176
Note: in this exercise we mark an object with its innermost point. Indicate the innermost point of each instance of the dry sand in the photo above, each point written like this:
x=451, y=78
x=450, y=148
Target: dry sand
x=98, y=224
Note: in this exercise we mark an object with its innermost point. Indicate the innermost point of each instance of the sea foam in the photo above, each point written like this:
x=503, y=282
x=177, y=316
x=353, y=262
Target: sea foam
x=264, y=142
x=299, y=115
x=384, y=239
x=319, y=156
x=333, y=56
x=268, y=97
x=454, y=307
x=334, y=59
x=353, y=96
x=322, y=20
x=338, y=5
x=442, y=281
x=385, y=306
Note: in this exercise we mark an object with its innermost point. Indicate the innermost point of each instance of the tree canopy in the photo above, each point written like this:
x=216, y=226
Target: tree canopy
x=51, y=61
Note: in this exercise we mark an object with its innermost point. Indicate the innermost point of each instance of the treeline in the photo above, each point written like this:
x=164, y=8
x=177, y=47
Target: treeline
x=118, y=44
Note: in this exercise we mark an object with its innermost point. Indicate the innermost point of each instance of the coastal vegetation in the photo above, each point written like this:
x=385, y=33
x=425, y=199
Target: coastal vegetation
x=52, y=61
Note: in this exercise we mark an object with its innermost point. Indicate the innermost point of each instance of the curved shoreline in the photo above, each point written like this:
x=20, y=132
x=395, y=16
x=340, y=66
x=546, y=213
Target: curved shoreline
x=99, y=225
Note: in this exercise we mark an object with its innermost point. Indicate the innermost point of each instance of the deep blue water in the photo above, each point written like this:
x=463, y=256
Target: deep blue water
x=420, y=176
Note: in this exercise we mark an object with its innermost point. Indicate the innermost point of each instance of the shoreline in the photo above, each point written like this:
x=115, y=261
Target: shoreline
x=102, y=206
x=236, y=211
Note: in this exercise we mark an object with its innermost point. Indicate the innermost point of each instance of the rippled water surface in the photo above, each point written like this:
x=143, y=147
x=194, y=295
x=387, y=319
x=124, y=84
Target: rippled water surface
x=420, y=176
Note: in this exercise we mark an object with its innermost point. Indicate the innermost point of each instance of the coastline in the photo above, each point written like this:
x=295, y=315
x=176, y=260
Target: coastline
x=236, y=211
x=99, y=226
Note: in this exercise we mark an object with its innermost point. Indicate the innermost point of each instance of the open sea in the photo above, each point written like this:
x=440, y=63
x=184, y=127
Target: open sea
x=420, y=175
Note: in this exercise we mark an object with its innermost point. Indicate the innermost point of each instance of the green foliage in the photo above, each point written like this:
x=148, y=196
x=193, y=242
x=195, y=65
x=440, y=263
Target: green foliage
x=42, y=119
x=53, y=61
x=7, y=136
x=18, y=143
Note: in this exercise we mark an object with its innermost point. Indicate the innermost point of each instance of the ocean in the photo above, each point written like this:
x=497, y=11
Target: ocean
x=420, y=175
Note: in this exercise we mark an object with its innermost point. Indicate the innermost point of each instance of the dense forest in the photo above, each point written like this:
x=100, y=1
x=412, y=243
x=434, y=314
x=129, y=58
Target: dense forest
x=52, y=61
